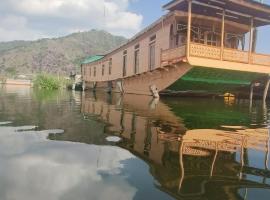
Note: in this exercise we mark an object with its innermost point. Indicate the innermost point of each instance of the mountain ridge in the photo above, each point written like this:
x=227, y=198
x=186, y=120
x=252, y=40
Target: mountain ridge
x=54, y=55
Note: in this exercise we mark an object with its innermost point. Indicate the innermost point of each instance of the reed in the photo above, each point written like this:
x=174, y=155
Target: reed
x=50, y=82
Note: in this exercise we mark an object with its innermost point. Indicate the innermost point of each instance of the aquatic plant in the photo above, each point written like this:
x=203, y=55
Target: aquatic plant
x=50, y=82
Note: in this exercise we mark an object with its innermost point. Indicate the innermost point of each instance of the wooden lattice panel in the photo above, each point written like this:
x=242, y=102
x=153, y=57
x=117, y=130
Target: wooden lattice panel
x=204, y=51
x=172, y=54
x=260, y=59
x=235, y=55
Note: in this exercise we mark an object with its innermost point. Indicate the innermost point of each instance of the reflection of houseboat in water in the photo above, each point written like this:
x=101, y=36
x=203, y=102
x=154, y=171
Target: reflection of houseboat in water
x=189, y=164
x=199, y=41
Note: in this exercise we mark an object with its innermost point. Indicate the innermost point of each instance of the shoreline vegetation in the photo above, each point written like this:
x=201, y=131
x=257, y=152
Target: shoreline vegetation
x=42, y=81
x=50, y=82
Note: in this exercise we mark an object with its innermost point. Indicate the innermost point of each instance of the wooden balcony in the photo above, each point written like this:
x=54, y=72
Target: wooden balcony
x=171, y=56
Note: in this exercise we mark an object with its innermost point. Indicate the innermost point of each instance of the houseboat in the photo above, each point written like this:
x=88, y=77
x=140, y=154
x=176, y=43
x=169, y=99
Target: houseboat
x=204, y=41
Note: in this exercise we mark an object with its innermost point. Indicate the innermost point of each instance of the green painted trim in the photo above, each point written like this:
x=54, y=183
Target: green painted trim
x=92, y=59
x=216, y=81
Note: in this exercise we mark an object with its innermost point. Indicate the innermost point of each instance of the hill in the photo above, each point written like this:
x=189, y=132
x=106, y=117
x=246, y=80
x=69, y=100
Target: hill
x=58, y=55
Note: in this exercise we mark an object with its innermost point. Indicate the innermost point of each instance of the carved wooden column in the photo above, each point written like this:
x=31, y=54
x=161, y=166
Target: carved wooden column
x=251, y=40
x=251, y=96
x=222, y=35
x=189, y=26
x=265, y=93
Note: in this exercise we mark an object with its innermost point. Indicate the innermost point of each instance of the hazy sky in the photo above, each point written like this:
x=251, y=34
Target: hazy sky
x=33, y=19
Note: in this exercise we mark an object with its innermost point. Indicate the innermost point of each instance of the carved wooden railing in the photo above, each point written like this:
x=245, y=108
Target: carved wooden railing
x=234, y=55
x=261, y=59
x=173, y=54
x=204, y=51
x=213, y=52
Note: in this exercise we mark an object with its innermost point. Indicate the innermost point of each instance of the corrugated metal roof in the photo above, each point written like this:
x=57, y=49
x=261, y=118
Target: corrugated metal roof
x=92, y=59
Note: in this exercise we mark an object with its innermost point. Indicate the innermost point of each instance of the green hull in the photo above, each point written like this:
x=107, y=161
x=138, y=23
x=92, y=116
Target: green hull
x=214, y=80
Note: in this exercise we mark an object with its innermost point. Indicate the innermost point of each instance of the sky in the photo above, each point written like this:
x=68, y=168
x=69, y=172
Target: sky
x=35, y=19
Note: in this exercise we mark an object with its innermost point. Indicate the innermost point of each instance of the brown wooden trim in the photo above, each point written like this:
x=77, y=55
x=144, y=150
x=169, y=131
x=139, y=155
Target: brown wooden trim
x=261, y=54
x=206, y=45
x=259, y=7
x=214, y=19
x=171, y=4
x=228, y=60
x=232, y=49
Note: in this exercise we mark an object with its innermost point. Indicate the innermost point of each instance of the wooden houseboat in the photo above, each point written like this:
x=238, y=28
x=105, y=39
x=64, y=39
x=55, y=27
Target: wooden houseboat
x=199, y=40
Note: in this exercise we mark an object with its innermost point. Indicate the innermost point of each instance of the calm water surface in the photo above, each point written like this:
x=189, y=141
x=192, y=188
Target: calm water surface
x=69, y=145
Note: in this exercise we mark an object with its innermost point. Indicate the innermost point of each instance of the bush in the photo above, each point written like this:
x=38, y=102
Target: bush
x=2, y=79
x=49, y=82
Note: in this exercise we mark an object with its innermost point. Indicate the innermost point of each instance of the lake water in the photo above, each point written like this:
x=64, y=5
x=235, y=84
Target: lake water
x=72, y=145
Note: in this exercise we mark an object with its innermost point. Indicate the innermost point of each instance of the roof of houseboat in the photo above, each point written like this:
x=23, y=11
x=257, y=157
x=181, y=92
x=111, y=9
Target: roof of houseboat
x=91, y=59
x=220, y=2
x=239, y=11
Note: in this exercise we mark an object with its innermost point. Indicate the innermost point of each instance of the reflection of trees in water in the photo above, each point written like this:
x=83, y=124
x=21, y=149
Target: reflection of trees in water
x=59, y=110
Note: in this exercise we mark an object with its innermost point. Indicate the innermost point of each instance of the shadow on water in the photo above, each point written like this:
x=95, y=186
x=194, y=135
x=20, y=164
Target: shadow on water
x=195, y=148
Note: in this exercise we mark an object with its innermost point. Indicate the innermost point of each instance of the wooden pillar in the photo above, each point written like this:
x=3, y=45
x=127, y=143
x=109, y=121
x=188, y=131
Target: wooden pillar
x=214, y=161
x=189, y=26
x=242, y=158
x=267, y=153
x=251, y=96
x=246, y=193
x=222, y=35
x=265, y=93
x=181, y=162
x=250, y=40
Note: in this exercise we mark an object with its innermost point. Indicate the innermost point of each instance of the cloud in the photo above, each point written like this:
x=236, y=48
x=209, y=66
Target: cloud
x=14, y=27
x=50, y=18
x=41, y=169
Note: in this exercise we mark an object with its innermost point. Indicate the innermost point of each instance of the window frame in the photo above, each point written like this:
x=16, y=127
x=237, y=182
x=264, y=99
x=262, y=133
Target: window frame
x=103, y=69
x=136, y=59
x=124, y=70
x=152, y=52
x=110, y=66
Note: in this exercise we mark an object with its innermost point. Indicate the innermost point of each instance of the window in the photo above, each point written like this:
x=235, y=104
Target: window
x=152, y=52
x=136, y=59
x=110, y=66
x=103, y=69
x=90, y=71
x=95, y=71
x=84, y=71
x=153, y=38
x=125, y=63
